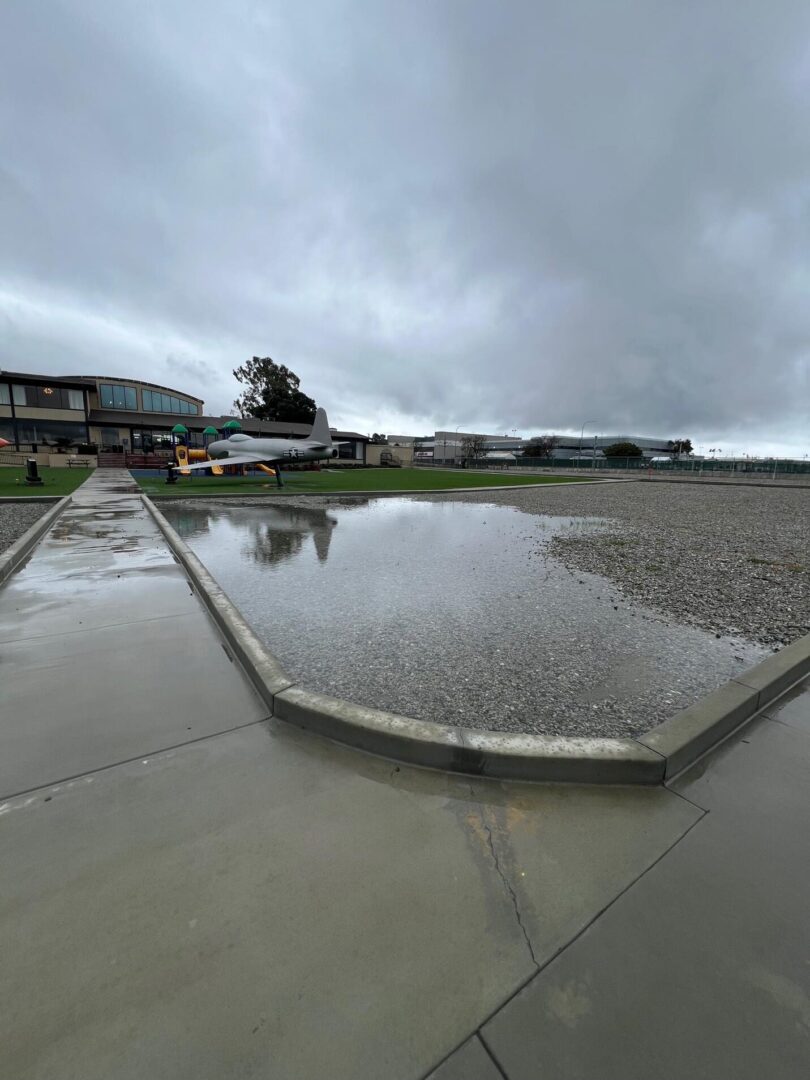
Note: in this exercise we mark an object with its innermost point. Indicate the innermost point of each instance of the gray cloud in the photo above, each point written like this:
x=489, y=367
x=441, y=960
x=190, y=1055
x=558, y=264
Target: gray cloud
x=525, y=215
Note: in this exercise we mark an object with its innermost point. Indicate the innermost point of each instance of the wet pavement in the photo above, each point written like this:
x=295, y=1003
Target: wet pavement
x=253, y=901
x=700, y=970
x=104, y=650
x=455, y=612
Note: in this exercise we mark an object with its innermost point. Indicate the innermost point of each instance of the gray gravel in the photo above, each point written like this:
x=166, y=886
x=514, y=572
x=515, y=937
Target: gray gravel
x=732, y=560
x=16, y=518
x=454, y=612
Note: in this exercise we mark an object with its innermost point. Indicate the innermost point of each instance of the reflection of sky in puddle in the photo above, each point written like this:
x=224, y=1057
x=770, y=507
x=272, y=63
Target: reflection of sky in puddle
x=455, y=612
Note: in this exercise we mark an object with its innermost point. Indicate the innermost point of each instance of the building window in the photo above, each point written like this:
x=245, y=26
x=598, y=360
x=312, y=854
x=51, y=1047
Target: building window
x=167, y=403
x=5, y=394
x=148, y=441
x=115, y=396
x=60, y=433
x=48, y=397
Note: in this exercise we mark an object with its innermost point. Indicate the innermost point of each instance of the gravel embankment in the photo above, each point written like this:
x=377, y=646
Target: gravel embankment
x=16, y=518
x=732, y=560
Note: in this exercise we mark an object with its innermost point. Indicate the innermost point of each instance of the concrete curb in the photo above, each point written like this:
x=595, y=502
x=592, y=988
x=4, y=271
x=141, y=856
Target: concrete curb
x=650, y=759
x=478, y=753
x=6, y=499
x=12, y=558
x=689, y=734
x=261, y=667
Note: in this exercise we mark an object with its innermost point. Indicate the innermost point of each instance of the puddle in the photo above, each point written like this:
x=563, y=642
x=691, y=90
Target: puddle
x=454, y=612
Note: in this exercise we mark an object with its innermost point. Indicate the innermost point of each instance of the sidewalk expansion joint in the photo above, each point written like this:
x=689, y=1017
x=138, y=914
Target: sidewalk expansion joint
x=703, y=809
x=128, y=761
x=491, y=1054
x=541, y=967
x=103, y=626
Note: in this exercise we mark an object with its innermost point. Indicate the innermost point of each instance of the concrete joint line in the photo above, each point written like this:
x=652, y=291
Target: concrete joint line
x=651, y=758
x=14, y=557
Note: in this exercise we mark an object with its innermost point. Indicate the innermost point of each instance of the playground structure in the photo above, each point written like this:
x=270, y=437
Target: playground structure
x=185, y=456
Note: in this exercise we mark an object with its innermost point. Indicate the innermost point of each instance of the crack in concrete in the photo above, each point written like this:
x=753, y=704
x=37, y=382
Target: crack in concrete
x=508, y=885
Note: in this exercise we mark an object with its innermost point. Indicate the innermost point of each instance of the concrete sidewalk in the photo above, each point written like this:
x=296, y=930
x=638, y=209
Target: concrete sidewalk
x=105, y=651
x=189, y=890
x=701, y=971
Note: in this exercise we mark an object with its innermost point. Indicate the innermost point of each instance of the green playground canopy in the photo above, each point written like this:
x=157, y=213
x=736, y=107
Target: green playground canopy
x=232, y=425
x=179, y=429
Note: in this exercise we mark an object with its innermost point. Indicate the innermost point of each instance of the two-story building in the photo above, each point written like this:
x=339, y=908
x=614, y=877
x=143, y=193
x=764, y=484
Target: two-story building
x=117, y=416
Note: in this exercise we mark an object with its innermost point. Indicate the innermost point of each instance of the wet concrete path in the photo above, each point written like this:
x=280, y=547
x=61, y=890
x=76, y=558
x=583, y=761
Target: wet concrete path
x=105, y=652
x=701, y=971
x=189, y=890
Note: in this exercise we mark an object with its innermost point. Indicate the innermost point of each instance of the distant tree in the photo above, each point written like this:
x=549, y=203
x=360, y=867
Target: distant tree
x=473, y=447
x=540, y=447
x=622, y=449
x=377, y=439
x=679, y=446
x=271, y=393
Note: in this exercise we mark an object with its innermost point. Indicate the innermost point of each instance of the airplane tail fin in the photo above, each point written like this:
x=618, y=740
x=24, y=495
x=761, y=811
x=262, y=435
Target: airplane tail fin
x=320, y=429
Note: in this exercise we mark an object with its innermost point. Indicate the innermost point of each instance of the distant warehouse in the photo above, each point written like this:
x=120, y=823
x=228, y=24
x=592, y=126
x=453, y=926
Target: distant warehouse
x=447, y=447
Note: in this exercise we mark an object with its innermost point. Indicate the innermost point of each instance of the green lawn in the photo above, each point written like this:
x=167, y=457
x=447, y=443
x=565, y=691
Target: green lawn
x=341, y=480
x=54, y=481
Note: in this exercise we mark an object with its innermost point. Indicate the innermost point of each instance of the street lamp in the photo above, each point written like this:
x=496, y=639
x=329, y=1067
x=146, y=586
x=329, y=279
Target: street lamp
x=582, y=432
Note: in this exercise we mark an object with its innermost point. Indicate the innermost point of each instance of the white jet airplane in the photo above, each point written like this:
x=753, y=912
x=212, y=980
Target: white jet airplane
x=242, y=449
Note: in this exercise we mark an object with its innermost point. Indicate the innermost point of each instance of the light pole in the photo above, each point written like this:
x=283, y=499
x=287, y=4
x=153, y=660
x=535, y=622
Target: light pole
x=582, y=432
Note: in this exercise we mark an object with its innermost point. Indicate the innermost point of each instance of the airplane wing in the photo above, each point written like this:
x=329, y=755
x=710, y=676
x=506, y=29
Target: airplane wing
x=233, y=459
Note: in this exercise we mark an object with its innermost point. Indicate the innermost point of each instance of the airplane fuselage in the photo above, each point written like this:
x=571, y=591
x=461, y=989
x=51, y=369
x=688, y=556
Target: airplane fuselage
x=289, y=450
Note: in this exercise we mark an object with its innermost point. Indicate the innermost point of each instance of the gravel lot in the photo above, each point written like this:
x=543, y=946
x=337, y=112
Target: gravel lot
x=457, y=610
x=16, y=518
x=733, y=560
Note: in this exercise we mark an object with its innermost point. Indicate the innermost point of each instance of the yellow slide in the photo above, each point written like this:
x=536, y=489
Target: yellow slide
x=202, y=455
x=185, y=456
x=181, y=453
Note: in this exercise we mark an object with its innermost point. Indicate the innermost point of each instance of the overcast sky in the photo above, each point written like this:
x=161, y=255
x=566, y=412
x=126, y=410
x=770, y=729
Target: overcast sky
x=524, y=215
